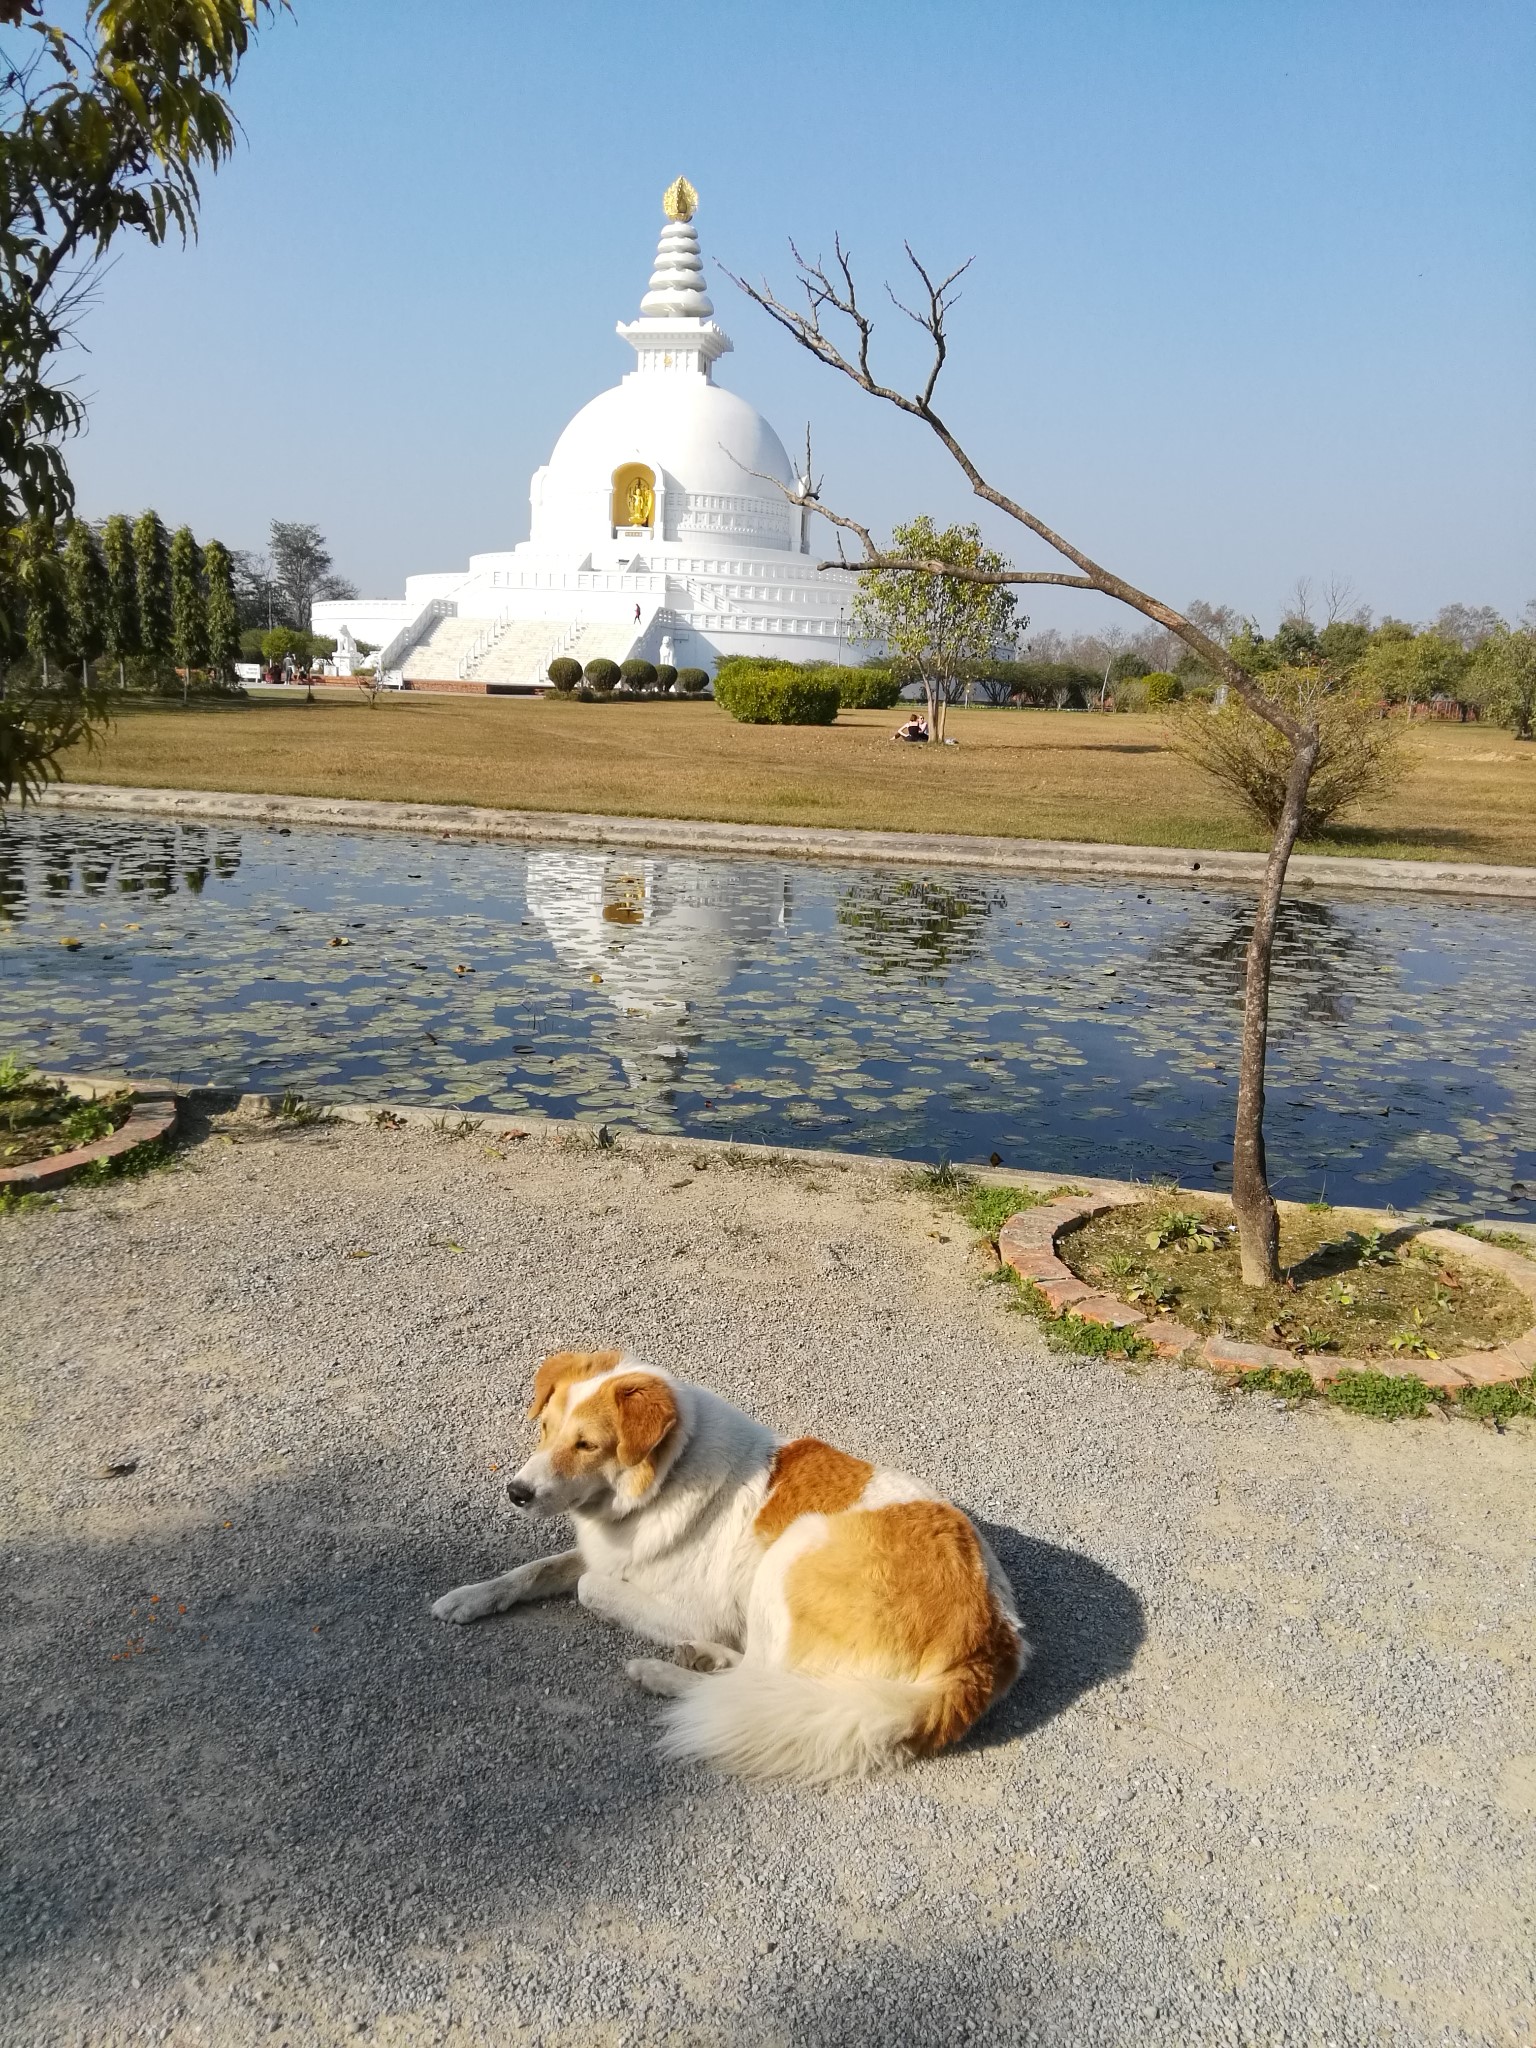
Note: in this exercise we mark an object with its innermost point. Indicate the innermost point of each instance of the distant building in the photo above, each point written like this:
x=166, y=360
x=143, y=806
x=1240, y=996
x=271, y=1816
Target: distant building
x=660, y=528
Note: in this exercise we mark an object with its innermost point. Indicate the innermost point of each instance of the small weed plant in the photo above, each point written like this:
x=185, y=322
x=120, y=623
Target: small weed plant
x=298, y=1109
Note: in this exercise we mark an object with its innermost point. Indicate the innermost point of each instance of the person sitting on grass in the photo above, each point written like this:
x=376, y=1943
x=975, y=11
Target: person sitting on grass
x=915, y=729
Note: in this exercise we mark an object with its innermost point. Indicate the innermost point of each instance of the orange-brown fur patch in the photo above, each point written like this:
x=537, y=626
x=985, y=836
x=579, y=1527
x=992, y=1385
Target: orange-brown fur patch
x=902, y=1592
x=561, y=1367
x=809, y=1477
x=627, y=1419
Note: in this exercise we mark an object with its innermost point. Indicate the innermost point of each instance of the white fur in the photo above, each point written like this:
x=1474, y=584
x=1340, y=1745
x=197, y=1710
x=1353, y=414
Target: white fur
x=681, y=1565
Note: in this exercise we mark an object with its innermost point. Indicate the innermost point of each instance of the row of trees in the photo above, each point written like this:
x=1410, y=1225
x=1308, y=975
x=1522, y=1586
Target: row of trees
x=128, y=595
x=109, y=116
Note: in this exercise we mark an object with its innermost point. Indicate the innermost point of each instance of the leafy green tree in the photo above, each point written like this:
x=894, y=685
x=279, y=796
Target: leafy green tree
x=1411, y=668
x=40, y=582
x=301, y=571
x=223, y=617
x=281, y=641
x=85, y=598
x=930, y=619
x=1503, y=679
x=1342, y=642
x=120, y=629
x=152, y=586
x=109, y=110
x=189, y=623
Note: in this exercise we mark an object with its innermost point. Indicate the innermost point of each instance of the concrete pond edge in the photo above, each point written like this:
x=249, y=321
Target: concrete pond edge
x=1028, y=1241
x=1198, y=865
x=152, y=1118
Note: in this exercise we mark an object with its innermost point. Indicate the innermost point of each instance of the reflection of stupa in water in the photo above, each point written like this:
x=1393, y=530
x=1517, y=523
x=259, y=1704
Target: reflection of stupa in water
x=664, y=935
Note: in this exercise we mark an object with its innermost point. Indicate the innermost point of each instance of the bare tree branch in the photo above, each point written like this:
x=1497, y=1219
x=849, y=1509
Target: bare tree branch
x=822, y=294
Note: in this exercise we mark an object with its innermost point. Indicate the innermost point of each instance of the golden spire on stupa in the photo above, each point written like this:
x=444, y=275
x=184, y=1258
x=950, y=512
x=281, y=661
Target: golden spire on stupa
x=680, y=201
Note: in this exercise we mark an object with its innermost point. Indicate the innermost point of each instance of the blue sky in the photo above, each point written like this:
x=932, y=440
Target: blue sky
x=1254, y=293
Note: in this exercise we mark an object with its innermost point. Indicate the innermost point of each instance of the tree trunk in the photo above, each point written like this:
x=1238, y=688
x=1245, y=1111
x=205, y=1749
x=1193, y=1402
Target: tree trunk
x=1258, y=1224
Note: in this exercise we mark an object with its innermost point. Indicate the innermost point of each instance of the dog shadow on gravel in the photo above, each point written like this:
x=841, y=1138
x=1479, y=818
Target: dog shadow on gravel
x=1084, y=1627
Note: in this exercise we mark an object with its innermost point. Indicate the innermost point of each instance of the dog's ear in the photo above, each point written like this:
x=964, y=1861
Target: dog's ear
x=647, y=1415
x=561, y=1366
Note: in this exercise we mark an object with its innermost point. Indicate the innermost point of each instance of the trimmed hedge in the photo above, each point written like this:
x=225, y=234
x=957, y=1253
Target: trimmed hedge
x=666, y=676
x=866, y=689
x=775, y=692
x=564, y=673
x=858, y=689
x=692, y=681
x=602, y=674
x=640, y=675
x=1162, y=687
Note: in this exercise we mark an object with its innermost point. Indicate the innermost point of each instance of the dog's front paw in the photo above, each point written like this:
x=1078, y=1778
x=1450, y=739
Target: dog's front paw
x=469, y=1603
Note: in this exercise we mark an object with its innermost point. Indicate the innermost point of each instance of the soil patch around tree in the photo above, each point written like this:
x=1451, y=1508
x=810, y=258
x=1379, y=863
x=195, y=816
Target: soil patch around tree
x=1346, y=1286
x=40, y=1120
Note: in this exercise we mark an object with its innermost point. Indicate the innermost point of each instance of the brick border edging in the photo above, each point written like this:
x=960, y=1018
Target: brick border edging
x=152, y=1117
x=1027, y=1242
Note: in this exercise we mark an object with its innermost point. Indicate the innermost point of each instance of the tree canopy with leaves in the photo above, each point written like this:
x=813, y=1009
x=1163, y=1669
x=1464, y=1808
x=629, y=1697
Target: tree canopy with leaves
x=108, y=112
x=935, y=624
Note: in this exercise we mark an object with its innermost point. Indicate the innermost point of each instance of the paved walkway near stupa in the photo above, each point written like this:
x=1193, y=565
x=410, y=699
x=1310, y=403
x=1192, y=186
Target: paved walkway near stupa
x=1271, y=1778
x=803, y=842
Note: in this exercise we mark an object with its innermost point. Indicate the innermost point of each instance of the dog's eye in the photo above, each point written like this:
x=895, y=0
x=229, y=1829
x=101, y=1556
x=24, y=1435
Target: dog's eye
x=583, y=1445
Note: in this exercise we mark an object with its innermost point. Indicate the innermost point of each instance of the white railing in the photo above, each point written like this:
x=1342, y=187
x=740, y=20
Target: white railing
x=562, y=643
x=484, y=641
x=408, y=637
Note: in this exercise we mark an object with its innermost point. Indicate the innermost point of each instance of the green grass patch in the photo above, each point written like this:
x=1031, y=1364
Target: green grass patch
x=982, y=1204
x=1072, y=1334
x=1500, y=1403
x=1387, y=1395
x=1288, y=1382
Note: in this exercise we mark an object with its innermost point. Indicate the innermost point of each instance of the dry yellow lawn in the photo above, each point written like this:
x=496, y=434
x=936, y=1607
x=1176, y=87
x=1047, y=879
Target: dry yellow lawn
x=1034, y=774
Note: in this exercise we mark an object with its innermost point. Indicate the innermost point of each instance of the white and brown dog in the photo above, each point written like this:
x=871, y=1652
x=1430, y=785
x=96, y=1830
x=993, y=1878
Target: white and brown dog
x=825, y=1615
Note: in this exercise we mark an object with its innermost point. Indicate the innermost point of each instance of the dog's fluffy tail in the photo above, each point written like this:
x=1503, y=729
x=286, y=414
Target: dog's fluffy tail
x=769, y=1723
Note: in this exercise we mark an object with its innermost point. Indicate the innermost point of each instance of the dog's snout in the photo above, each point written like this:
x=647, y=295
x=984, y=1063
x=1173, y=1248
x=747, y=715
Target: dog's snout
x=519, y=1492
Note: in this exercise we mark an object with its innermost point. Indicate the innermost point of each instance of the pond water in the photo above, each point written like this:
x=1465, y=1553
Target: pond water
x=1070, y=1026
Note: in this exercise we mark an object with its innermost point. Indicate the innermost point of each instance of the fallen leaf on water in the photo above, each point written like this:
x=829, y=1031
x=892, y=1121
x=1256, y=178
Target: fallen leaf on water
x=73, y=946
x=338, y=942
x=595, y=977
x=461, y=968
x=1064, y=924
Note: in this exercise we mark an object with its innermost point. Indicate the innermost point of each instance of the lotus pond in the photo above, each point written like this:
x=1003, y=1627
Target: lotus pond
x=1071, y=1026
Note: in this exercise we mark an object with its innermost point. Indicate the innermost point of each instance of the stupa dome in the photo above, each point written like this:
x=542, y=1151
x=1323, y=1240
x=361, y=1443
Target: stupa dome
x=701, y=462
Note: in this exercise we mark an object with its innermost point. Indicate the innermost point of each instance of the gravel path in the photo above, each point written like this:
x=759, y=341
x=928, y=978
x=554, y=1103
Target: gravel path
x=1272, y=1778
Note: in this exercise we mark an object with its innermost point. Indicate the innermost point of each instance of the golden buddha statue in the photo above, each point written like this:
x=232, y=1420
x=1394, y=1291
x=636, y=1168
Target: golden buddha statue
x=641, y=502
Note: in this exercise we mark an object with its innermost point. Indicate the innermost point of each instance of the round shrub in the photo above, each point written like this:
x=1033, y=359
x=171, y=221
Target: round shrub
x=1161, y=688
x=602, y=674
x=666, y=675
x=774, y=693
x=866, y=689
x=640, y=675
x=692, y=681
x=564, y=673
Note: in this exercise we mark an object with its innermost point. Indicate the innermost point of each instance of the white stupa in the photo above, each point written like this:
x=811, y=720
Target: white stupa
x=660, y=528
